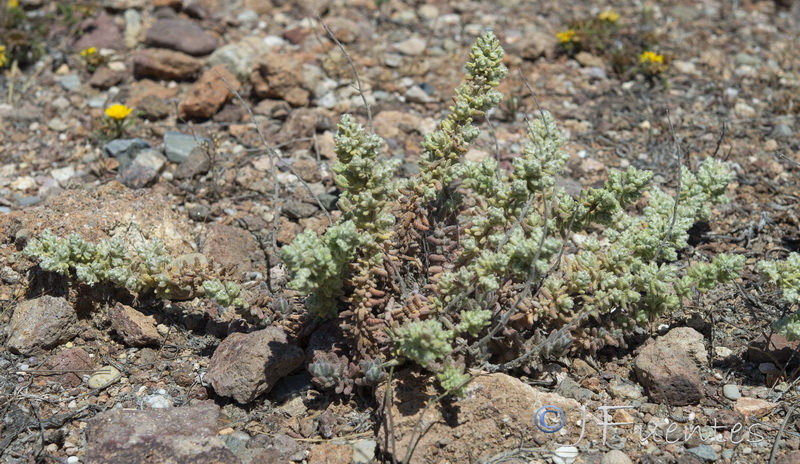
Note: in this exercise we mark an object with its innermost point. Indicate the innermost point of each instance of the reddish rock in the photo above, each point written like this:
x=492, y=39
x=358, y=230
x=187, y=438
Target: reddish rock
x=133, y=327
x=141, y=90
x=308, y=170
x=181, y=35
x=753, y=407
x=185, y=435
x=280, y=76
x=245, y=366
x=669, y=374
x=234, y=247
x=158, y=63
x=209, y=93
x=41, y=324
x=104, y=78
x=778, y=351
x=73, y=359
x=100, y=32
x=330, y=453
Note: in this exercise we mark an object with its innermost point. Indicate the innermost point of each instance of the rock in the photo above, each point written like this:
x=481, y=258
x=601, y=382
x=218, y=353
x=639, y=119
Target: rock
x=345, y=30
x=73, y=359
x=753, y=407
x=158, y=63
x=391, y=124
x=179, y=435
x=181, y=35
x=133, y=27
x=280, y=76
x=291, y=386
x=743, y=110
x=150, y=159
x=197, y=163
x=125, y=150
x=100, y=32
x=141, y=90
x=154, y=108
x=245, y=366
x=568, y=388
x=779, y=349
x=781, y=131
x=298, y=209
x=533, y=44
x=40, y=324
x=103, y=377
x=496, y=413
x=415, y=94
x=206, y=96
x=136, y=176
x=308, y=170
x=57, y=125
x=731, y=392
x=70, y=82
x=616, y=457
x=746, y=59
x=689, y=341
x=704, y=452
x=133, y=327
x=364, y=452
x=235, y=248
x=413, y=46
x=104, y=78
x=623, y=390
x=565, y=455
x=668, y=373
x=178, y=146
x=588, y=60
x=330, y=453
x=238, y=58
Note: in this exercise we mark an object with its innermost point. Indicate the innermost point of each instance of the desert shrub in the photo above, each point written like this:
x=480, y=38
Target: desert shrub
x=434, y=268
x=786, y=276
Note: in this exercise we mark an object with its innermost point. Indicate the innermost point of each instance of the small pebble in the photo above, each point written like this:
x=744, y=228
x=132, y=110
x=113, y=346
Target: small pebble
x=104, y=376
x=731, y=392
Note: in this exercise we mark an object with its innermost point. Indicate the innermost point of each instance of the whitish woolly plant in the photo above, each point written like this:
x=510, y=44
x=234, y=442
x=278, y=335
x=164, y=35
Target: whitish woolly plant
x=785, y=275
x=477, y=251
x=149, y=267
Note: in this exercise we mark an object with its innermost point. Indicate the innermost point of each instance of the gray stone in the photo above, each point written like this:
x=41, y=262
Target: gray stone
x=70, y=82
x=151, y=159
x=290, y=387
x=731, y=392
x=616, y=457
x=178, y=435
x=782, y=131
x=178, y=146
x=568, y=388
x=57, y=124
x=245, y=366
x=704, y=452
x=364, y=451
x=41, y=324
x=237, y=442
x=747, y=59
x=239, y=57
x=181, y=35
x=125, y=150
x=413, y=46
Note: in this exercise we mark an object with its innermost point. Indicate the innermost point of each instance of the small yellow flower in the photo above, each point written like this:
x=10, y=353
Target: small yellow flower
x=651, y=57
x=566, y=36
x=609, y=15
x=89, y=51
x=13, y=4
x=118, y=112
x=3, y=57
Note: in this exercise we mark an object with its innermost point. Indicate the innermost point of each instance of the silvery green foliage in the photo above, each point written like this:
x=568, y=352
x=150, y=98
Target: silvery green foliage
x=453, y=380
x=474, y=320
x=318, y=265
x=224, y=293
x=423, y=341
x=785, y=275
x=333, y=372
x=110, y=261
x=443, y=148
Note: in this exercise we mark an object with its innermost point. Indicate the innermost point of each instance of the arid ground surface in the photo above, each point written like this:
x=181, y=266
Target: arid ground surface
x=98, y=375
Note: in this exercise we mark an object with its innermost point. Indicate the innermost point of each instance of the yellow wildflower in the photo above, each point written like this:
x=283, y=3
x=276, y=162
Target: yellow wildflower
x=609, y=15
x=566, y=36
x=118, y=112
x=651, y=57
x=13, y=4
x=3, y=57
x=88, y=51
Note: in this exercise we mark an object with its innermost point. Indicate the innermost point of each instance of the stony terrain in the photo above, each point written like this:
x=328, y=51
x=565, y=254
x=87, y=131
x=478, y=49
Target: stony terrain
x=100, y=375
